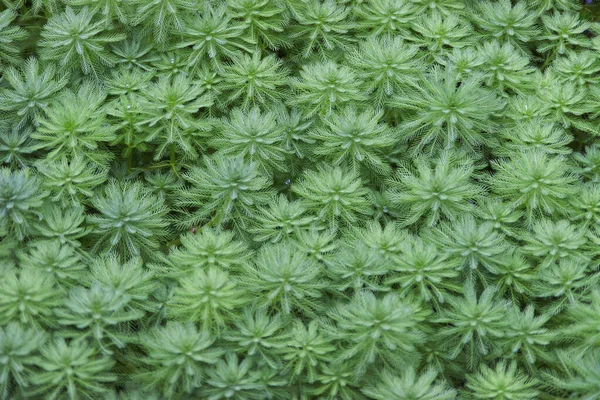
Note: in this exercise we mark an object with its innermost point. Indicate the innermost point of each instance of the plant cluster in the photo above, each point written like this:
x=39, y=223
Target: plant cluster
x=305, y=199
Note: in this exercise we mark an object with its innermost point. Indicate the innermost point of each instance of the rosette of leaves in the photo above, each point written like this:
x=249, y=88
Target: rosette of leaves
x=214, y=35
x=439, y=35
x=281, y=221
x=66, y=226
x=324, y=86
x=356, y=266
x=29, y=298
x=130, y=220
x=536, y=134
x=379, y=329
x=258, y=335
x=562, y=284
x=353, y=138
x=584, y=207
x=254, y=136
x=208, y=297
x=130, y=280
x=422, y=270
x=473, y=324
x=16, y=147
x=233, y=379
x=75, y=125
x=73, y=370
x=162, y=16
x=322, y=27
x=504, y=382
x=225, y=189
x=515, y=276
x=170, y=106
x=207, y=248
x=52, y=259
x=505, y=68
x=534, y=181
x=285, y=280
x=110, y=10
x=97, y=313
x=31, y=90
x=563, y=31
x=552, y=241
x=386, y=65
x=72, y=181
x=410, y=385
x=387, y=239
x=11, y=35
x=440, y=112
x=434, y=189
x=317, y=243
x=528, y=337
x=516, y=24
x=264, y=20
x=20, y=201
x=128, y=80
x=19, y=348
x=473, y=243
x=335, y=194
x=502, y=215
x=580, y=67
x=566, y=101
x=308, y=346
x=76, y=41
x=255, y=80
x=380, y=18
x=178, y=357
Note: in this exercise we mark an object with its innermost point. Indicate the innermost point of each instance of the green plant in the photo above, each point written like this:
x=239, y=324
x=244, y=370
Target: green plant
x=177, y=357
x=74, y=41
x=20, y=201
x=410, y=385
x=304, y=200
x=502, y=383
x=130, y=220
x=73, y=370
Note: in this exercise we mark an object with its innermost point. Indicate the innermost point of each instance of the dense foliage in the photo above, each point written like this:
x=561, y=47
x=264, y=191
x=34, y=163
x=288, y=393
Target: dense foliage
x=299, y=199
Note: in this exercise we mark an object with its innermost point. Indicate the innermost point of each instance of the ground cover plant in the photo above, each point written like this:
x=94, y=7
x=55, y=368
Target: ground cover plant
x=299, y=199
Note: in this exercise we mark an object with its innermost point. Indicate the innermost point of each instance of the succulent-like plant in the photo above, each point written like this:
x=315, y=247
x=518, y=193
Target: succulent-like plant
x=130, y=220
x=11, y=34
x=355, y=138
x=31, y=90
x=335, y=194
x=74, y=40
x=19, y=347
x=441, y=112
x=379, y=330
x=208, y=297
x=285, y=280
x=20, y=201
x=178, y=355
x=254, y=136
x=476, y=322
x=72, y=369
x=325, y=86
x=505, y=382
x=534, y=181
x=75, y=125
x=436, y=189
x=410, y=385
x=207, y=248
x=224, y=190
